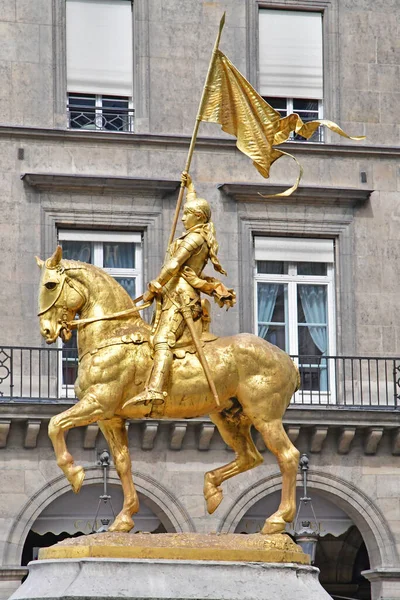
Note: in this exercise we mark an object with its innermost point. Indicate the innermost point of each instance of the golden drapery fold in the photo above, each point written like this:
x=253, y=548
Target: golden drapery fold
x=232, y=102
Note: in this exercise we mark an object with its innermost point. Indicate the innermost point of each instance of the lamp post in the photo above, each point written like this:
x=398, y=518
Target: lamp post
x=306, y=536
x=104, y=462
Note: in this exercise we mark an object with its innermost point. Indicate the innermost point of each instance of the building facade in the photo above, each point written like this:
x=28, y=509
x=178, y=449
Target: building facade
x=97, y=104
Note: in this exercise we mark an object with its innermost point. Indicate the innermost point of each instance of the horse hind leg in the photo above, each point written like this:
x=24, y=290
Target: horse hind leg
x=117, y=439
x=235, y=431
x=83, y=413
x=287, y=455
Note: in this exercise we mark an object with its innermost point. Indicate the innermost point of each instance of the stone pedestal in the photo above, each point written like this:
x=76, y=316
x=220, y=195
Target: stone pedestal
x=134, y=579
x=172, y=566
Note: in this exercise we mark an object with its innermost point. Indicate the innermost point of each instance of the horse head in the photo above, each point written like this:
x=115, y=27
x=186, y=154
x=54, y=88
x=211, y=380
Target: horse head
x=59, y=299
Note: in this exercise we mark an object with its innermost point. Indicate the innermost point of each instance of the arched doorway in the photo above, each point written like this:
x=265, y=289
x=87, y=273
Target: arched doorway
x=71, y=515
x=341, y=551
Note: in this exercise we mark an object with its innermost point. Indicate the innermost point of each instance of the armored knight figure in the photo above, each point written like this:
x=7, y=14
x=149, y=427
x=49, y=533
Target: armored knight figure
x=178, y=286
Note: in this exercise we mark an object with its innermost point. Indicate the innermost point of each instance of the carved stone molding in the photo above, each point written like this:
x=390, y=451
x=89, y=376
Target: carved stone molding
x=249, y=192
x=318, y=437
x=4, y=431
x=178, y=432
x=396, y=442
x=205, y=436
x=372, y=438
x=346, y=437
x=314, y=424
x=96, y=184
x=293, y=433
x=31, y=433
x=150, y=430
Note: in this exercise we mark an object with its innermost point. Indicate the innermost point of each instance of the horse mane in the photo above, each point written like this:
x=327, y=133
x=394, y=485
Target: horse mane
x=126, y=325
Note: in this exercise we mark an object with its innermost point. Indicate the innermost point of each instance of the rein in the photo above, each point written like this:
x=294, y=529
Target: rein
x=69, y=325
x=123, y=313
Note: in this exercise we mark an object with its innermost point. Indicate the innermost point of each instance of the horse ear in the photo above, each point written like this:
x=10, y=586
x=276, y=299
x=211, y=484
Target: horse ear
x=55, y=259
x=39, y=262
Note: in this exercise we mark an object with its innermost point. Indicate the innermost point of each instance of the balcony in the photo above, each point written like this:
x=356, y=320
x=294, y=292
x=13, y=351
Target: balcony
x=47, y=375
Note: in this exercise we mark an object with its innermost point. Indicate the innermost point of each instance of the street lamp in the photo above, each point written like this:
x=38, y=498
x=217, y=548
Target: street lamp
x=104, y=462
x=306, y=536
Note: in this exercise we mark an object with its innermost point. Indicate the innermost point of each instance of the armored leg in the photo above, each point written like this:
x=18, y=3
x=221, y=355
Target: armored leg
x=164, y=340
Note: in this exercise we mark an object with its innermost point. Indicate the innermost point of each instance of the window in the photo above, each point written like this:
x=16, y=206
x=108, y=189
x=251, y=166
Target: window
x=94, y=111
x=120, y=255
x=290, y=63
x=294, y=303
x=100, y=64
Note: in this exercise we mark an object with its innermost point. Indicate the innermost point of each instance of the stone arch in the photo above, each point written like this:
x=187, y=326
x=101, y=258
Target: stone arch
x=164, y=504
x=361, y=509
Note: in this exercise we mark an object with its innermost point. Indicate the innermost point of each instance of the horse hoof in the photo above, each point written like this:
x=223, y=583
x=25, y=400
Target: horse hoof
x=276, y=526
x=76, y=479
x=122, y=524
x=214, y=500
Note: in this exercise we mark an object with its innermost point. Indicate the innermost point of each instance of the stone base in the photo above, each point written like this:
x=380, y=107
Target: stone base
x=276, y=548
x=134, y=579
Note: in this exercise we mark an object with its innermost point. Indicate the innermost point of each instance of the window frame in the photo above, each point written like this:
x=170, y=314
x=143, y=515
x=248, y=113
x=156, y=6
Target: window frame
x=98, y=238
x=330, y=47
x=292, y=280
x=141, y=62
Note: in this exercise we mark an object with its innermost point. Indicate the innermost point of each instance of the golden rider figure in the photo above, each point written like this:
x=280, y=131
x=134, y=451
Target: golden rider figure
x=178, y=285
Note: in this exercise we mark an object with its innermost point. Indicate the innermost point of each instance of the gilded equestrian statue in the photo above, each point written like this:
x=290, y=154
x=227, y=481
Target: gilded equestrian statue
x=121, y=377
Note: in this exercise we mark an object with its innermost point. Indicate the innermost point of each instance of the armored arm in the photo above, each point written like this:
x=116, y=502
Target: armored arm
x=172, y=267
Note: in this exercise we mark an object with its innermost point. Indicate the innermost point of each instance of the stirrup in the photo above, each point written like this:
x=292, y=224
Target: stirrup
x=147, y=397
x=154, y=397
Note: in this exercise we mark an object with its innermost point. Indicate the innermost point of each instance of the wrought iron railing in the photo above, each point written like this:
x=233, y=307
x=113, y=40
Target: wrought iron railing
x=103, y=118
x=48, y=375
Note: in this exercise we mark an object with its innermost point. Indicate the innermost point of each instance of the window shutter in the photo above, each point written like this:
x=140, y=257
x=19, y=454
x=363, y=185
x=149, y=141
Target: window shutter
x=294, y=249
x=290, y=54
x=99, y=47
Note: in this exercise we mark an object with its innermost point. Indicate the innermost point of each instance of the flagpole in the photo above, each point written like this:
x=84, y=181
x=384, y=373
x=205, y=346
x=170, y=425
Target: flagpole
x=195, y=131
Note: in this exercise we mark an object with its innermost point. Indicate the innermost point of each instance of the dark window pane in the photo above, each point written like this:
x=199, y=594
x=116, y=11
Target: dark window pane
x=307, y=105
x=279, y=104
x=77, y=250
x=82, y=111
x=272, y=267
x=311, y=304
x=313, y=378
x=311, y=268
x=275, y=334
x=118, y=255
x=129, y=284
x=271, y=299
x=115, y=113
x=308, y=336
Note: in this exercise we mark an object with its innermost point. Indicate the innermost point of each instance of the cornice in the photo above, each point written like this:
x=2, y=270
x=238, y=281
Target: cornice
x=57, y=182
x=179, y=140
x=313, y=422
x=320, y=195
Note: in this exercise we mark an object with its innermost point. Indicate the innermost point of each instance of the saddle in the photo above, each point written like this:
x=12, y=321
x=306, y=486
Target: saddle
x=140, y=334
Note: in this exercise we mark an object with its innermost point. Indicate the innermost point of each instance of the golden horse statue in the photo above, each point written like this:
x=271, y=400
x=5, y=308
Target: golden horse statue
x=254, y=379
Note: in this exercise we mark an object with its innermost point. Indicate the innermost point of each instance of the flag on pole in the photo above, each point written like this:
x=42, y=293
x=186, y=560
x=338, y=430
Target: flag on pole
x=232, y=102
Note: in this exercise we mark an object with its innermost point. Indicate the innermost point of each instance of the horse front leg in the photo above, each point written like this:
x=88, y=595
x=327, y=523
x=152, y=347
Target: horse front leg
x=117, y=439
x=83, y=413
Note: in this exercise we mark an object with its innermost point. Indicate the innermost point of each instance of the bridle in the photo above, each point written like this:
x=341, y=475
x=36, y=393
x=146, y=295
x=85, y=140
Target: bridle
x=74, y=324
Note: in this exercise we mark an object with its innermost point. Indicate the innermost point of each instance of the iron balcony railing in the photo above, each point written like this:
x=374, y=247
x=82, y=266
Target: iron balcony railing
x=48, y=375
x=81, y=116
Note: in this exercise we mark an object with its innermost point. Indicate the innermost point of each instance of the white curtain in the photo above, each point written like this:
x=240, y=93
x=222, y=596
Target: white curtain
x=266, y=297
x=290, y=54
x=99, y=47
x=313, y=302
